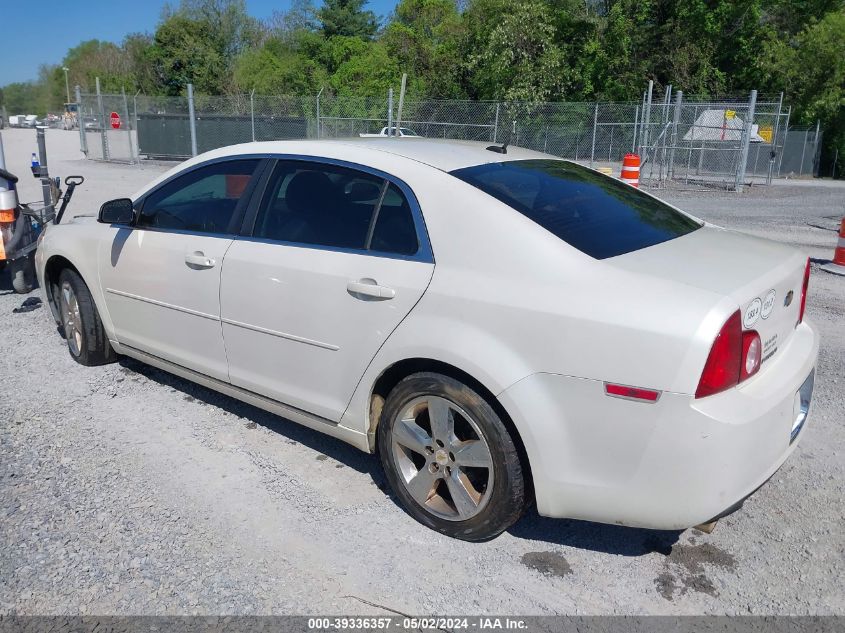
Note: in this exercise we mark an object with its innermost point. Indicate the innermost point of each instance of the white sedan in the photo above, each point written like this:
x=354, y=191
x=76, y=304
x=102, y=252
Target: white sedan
x=499, y=325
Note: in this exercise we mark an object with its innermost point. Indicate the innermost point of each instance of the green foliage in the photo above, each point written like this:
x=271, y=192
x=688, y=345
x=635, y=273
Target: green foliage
x=516, y=50
x=424, y=39
x=276, y=69
x=518, y=63
x=22, y=98
x=347, y=18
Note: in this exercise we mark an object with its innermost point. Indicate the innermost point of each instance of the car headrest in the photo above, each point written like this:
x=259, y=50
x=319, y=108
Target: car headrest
x=362, y=191
x=310, y=191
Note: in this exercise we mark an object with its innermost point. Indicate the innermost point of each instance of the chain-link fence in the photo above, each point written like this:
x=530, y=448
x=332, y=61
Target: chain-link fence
x=107, y=129
x=723, y=143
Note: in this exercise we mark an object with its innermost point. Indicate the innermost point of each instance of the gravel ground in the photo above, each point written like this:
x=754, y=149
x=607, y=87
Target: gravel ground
x=125, y=490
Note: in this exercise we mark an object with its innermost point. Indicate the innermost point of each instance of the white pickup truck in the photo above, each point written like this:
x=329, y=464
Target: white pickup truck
x=403, y=131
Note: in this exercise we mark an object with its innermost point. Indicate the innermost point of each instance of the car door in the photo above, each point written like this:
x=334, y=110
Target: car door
x=161, y=277
x=336, y=258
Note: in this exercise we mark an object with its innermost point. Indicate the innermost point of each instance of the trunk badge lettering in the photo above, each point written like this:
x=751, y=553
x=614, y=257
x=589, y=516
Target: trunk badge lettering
x=752, y=313
x=768, y=304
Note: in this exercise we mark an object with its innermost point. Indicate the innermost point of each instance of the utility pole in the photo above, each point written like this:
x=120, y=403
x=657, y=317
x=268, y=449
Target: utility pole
x=67, y=84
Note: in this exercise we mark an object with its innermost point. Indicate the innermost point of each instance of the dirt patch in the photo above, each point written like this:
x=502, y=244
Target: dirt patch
x=548, y=563
x=685, y=566
x=694, y=557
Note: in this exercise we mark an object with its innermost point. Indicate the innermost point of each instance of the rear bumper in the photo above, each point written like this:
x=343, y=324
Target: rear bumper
x=669, y=465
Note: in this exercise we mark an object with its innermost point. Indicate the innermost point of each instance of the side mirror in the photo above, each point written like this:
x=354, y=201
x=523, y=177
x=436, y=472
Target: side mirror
x=118, y=211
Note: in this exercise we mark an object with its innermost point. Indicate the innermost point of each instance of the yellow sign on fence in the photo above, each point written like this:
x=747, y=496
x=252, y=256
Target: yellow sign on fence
x=729, y=114
x=765, y=132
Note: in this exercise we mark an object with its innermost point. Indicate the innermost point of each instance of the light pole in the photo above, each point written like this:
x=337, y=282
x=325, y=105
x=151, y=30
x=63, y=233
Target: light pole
x=67, y=85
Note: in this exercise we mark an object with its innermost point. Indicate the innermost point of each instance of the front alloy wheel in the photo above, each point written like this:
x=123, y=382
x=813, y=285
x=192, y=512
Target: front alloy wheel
x=71, y=319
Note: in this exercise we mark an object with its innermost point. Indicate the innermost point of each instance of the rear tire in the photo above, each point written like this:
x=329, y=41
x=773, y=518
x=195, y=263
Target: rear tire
x=81, y=325
x=450, y=459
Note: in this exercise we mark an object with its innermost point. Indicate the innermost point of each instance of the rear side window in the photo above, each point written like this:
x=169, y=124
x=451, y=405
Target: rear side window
x=203, y=200
x=599, y=216
x=332, y=206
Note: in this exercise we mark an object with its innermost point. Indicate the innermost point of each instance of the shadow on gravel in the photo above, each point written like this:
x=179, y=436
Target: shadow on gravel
x=5, y=281
x=595, y=537
x=291, y=431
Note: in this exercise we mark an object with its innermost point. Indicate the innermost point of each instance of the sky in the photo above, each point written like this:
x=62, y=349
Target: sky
x=31, y=38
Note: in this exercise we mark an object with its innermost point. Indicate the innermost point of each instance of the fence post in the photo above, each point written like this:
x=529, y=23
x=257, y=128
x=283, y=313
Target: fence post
x=785, y=138
x=319, y=132
x=192, y=124
x=137, y=136
x=816, y=148
x=746, y=140
x=636, y=121
x=595, y=123
x=103, y=138
x=647, y=119
x=775, y=132
x=676, y=119
x=83, y=142
x=803, y=150
x=401, y=103
x=128, y=125
x=389, y=109
x=496, y=124
x=252, y=112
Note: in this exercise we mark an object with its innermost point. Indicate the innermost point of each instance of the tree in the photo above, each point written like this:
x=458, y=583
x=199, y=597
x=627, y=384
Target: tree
x=424, y=37
x=277, y=69
x=520, y=59
x=810, y=68
x=22, y=98
x=347, y=18
x=198, y=43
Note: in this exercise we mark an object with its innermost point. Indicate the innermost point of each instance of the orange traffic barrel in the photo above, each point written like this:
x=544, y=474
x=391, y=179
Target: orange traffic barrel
x=631, y=170
x=837, y=266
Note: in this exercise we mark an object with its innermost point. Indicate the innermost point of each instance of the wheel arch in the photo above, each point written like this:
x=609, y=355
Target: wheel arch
x=393, y=374
x=53, y=268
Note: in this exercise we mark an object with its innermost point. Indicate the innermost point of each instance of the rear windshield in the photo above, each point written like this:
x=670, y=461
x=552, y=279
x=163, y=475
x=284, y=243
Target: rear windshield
x=599, y=216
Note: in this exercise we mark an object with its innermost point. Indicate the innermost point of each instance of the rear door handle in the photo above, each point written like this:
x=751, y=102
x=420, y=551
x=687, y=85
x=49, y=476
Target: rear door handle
x=369, y=288
x=197, y=259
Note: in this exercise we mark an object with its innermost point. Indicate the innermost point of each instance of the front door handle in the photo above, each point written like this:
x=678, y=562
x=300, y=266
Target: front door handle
x=370, y=289
x=197, y=259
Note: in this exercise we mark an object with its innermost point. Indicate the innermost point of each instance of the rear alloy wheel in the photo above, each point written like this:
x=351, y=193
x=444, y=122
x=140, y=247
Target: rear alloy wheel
x=450, y=459
x=81, y=325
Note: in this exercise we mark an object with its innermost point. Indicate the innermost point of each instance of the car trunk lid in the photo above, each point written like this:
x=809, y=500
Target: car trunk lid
x=764, y=278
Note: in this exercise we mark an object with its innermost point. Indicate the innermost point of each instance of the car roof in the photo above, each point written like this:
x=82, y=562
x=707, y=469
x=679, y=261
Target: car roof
x=444, y=154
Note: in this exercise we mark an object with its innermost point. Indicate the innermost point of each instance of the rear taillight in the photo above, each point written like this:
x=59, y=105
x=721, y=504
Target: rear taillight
x=752, y=354
x=735, y=356
x=804, y=287
x=721, y=371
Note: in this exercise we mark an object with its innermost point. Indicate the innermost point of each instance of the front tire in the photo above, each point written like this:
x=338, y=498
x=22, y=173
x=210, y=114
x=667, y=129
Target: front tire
x=450, y=459
x=81, y=325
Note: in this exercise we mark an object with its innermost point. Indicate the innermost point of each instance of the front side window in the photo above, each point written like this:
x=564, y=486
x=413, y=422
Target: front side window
x=333, y=206
x=203, y=200
x=599, y=216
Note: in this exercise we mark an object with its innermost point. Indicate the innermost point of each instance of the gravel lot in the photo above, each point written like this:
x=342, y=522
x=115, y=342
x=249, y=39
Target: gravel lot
x=125, y=490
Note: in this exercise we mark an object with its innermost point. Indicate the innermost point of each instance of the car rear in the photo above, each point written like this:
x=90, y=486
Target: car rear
x=684, y=449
